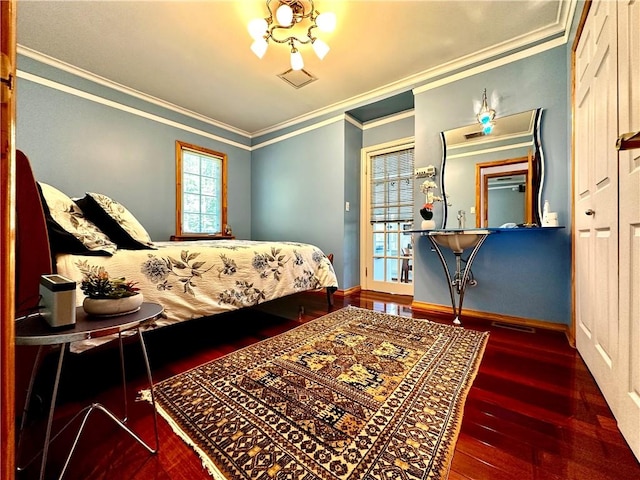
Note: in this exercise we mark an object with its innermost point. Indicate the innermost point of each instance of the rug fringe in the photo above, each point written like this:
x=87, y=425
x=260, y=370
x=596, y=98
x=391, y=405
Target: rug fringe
x=145, y=395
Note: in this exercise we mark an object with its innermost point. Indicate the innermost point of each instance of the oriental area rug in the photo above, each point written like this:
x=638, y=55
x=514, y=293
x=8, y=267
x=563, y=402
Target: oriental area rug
x=355, y=394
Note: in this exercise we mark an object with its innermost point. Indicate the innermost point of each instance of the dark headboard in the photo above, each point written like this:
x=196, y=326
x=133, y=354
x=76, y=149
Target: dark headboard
x=33, y=255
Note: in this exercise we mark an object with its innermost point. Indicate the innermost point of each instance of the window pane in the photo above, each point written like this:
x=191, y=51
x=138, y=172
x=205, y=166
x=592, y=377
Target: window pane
x=208, y=186
x=209, y=224
x=191, y=203
x=392, y=270
x=392, y=244
x=208, y=167
x=378, y=243
x=191, y=163
x=190, y=183
x=191, y=222
x=378, y=269
x=209, y=205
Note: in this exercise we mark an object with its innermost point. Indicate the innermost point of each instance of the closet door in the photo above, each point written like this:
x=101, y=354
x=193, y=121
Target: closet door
x=596, y=198
x=629, y=171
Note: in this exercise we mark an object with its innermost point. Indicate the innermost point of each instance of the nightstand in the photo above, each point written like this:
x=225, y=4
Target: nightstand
x=34, y=330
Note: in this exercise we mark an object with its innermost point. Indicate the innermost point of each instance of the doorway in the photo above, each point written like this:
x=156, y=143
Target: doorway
x=387, y=218
x=504, y=192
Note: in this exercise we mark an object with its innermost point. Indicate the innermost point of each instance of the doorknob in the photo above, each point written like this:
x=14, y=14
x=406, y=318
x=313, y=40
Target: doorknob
x=590, y=212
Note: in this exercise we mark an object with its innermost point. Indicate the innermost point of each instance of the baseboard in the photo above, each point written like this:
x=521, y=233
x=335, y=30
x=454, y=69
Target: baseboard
x=493, y=317
x=347, y=292
x=338, y=293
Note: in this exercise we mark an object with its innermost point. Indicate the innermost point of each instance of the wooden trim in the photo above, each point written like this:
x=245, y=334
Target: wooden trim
x=482, y=186
x=491, y=317
x=528, y=197
x=348, y=291
x=583, y=20
x=188, y=238
x=223, y=156
x=7, y=249
x=339, y=293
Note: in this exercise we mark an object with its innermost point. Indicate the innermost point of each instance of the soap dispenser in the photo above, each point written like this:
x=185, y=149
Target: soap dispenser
x=545, y=213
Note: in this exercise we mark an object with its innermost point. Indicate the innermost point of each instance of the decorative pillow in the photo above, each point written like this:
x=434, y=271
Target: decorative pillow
x=116, y=221
x=69, y=230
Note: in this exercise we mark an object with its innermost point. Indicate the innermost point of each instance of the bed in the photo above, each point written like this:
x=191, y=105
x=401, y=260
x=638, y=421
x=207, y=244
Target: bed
x=190, y=279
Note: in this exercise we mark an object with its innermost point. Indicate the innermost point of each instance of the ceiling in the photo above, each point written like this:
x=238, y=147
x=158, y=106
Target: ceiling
x=196, y=55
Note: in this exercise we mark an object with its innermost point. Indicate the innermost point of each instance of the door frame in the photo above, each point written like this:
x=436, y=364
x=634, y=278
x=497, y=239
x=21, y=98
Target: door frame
x=8, y=11
x=366, y=245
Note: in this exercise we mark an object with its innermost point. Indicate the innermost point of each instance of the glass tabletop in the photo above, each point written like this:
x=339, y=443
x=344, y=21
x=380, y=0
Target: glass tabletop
x=34, y=329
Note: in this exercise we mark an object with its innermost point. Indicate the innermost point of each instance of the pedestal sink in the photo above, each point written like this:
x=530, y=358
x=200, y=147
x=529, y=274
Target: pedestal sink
x=458, y=240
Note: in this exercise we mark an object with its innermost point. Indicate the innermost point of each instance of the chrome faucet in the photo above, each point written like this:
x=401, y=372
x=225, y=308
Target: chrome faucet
x=461, y=218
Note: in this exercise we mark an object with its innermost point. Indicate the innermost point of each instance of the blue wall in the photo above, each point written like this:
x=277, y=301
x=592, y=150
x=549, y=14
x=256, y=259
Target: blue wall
x=295, y=188
x=378, y=133
x=352, y=184
x=78, y=145
x=525, y=273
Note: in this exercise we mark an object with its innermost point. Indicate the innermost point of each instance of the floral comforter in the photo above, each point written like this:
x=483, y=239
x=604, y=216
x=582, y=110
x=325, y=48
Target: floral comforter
x=202, y=278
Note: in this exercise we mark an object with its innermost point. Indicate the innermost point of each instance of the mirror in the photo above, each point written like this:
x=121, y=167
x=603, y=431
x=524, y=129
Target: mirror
x=493, y=179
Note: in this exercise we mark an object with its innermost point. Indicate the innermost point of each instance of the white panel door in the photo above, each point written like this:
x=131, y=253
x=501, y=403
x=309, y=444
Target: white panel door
x=386, y=247
x=596, y=197
x=629, y=178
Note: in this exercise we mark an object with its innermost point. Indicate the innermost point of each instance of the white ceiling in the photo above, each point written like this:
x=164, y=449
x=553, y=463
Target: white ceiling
x=196, y=55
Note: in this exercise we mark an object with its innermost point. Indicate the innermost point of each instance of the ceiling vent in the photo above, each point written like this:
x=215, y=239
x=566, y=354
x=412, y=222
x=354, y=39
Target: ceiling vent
x=469, y=136
x=297, y=78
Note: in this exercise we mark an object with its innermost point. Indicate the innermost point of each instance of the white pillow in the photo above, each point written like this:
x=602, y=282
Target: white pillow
x=69, y=230
x=116, y=221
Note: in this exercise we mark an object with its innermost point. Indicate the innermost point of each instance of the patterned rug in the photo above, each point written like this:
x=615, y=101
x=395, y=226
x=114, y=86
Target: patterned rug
x=354, y=394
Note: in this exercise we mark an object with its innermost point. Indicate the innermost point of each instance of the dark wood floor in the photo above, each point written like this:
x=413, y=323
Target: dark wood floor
x=534, y=411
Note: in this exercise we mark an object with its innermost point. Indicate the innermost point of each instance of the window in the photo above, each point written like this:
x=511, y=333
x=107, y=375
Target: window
x=201, y=190
x=392, y=186
x=391, y=196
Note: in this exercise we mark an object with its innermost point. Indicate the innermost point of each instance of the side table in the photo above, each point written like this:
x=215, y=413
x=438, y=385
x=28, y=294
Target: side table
x=34, y=330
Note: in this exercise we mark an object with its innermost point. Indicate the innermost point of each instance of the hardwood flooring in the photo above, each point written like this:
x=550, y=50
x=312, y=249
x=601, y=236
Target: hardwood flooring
x=534, y=411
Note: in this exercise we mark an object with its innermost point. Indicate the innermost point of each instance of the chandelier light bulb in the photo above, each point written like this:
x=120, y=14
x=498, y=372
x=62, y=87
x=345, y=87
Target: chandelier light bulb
x=484, y=117
x=326, y=21
x=285, y=24
x=284, y=15
x=296, y=60
x=320, y=48
x=258, y=28
x=259, y=47
x=486, y=114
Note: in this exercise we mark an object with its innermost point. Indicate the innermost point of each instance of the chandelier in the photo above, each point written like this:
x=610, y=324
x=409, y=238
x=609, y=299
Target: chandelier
x=291, y=16
x=486, y=115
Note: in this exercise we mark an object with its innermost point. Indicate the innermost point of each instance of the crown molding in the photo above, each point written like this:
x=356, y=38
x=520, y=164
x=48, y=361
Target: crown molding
x=79, y=72
x=443, y=74
x=388, y=119
x=562, y=26
x=300, y=131
x=125, y=108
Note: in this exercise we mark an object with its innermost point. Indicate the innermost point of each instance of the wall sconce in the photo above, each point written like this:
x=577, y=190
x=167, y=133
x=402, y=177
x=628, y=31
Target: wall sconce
x=6, y=78
x=486, y=115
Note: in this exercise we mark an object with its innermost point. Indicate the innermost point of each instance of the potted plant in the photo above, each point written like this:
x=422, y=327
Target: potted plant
x=427, y=187
x=106, y=295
